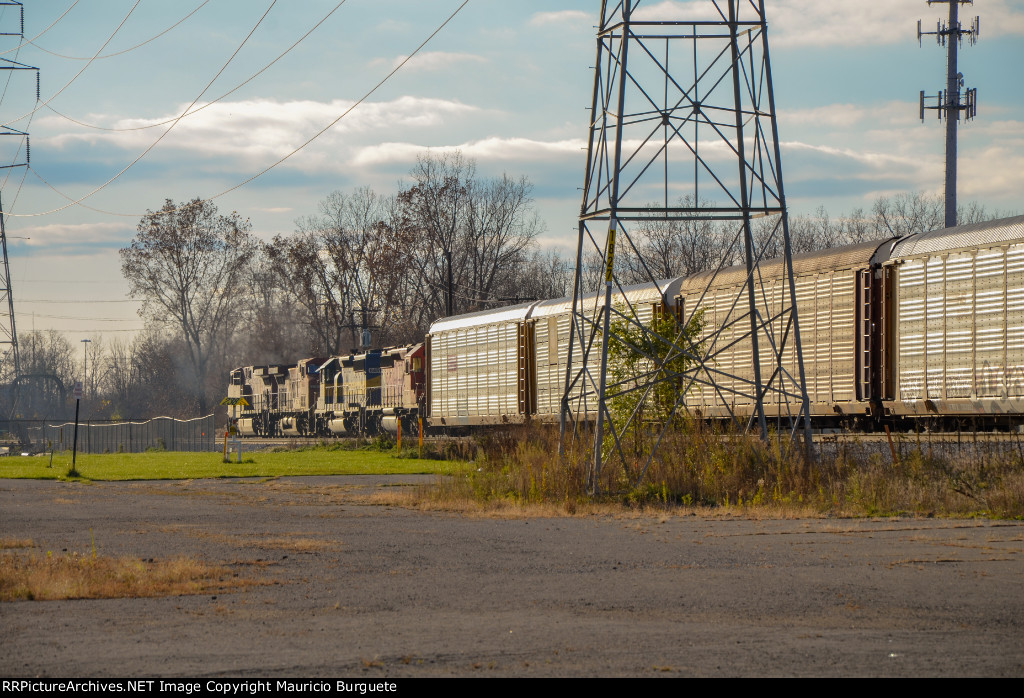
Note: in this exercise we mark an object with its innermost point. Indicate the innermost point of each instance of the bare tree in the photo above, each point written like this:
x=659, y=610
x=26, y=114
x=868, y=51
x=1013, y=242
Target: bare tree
x=471, y=237
x=301, y=267
x=500, y=228
x=363, y=236
x=188, y=265
x=546, y=275
x=908, y=213
x=48, y=370
x=120, y=377
x=435, y=206
x=348, y=268
x=278, y=331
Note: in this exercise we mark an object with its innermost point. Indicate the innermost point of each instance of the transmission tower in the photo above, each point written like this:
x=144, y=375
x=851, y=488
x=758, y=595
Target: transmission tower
x=683, y=132
x=10, y=360
x=954, y=100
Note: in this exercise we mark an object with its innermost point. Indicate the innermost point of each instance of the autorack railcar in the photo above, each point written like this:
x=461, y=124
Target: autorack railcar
x=928, y=325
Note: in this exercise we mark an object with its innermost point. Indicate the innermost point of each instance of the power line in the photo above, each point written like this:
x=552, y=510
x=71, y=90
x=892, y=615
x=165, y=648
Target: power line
x=262, y=172
x=52, y=25
x=76, y=317
x=117, y=53
x=53, y=300
x=162, y=135
x=212, y=102
x=79, y=73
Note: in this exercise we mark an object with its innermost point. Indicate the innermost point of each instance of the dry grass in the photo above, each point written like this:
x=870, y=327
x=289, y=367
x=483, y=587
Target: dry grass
x=696, y=468
x=11, y=543
x=33, y=576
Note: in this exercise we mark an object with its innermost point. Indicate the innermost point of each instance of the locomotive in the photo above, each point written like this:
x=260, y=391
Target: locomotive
x=335, y=396
x=930, y=325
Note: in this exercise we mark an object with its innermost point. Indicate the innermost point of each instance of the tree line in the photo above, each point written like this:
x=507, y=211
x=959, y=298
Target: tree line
x=214, y=296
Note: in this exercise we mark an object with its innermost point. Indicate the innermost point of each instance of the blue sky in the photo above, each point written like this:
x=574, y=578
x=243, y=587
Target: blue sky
x=506, y=82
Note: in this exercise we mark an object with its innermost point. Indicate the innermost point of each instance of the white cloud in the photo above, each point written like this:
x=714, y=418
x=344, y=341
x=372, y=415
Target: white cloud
x=563, y=17
x=68, y=234
x=430, y=60
x=258, y=130
x=833, y=115
x=845, y=23
x=676, y=11
x=490, y=149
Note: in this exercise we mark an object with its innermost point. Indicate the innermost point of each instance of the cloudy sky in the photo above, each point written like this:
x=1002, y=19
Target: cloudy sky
x=508, y=83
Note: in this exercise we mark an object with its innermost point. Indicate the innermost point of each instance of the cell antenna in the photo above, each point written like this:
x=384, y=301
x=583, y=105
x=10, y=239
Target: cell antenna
x=955, y=99
x=682, y=133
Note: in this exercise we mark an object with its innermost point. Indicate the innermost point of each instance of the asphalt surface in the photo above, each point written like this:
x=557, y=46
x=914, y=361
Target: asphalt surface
x=354, y=589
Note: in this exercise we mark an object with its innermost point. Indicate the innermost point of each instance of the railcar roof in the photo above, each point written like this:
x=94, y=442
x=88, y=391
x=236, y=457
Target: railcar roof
x=973, y=235
x=483, y=317
x=834, y=259
x=637, y=293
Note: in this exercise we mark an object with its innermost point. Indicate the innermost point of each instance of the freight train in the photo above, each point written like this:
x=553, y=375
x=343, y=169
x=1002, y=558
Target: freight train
x=930, y=325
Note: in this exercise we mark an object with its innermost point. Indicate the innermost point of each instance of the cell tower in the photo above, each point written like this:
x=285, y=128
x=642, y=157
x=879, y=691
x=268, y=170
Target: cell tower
x=683, y=131
x=954, y=100
x=10, y=361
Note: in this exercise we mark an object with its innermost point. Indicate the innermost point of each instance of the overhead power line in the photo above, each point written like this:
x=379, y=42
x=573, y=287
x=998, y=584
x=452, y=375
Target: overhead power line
x=52, y=25
x=367, y=95
x=123, y=51
x=54, y=300
x=162, y=135
x=40, y=105
x=211, y=102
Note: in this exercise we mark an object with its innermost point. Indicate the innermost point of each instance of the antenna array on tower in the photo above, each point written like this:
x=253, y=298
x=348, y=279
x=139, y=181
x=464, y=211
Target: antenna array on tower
x=955, y=99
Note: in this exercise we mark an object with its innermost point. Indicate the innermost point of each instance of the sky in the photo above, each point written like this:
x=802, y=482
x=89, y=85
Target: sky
x=507, y=83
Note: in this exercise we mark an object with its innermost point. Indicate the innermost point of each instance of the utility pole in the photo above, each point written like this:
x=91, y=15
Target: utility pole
x=950, y=102
x=85, y=364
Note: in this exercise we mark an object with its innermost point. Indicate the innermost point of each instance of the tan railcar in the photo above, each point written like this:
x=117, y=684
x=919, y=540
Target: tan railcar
x=551, y=322
x=838, y=299
x=958, y=340
x=479, y=368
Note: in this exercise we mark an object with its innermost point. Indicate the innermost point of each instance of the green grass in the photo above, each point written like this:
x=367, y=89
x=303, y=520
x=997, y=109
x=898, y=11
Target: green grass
x=171, y=465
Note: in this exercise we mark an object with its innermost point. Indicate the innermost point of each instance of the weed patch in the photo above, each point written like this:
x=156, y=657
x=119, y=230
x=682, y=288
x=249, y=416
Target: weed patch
x=33, y=576
x=700, y=466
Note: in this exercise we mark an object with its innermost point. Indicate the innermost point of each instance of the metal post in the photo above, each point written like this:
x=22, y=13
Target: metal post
x=952, y=108
x=950, y=103
x=748, y=235
x=74, y=447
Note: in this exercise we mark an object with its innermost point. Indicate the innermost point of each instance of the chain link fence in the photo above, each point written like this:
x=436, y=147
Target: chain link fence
x=94, y=436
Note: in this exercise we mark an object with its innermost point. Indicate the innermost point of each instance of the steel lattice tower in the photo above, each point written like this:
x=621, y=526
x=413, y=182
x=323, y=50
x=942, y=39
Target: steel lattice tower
x=10, y=361
x=683, y=129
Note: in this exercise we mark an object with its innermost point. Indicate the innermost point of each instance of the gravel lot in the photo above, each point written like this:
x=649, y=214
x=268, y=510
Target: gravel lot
x=352, y=589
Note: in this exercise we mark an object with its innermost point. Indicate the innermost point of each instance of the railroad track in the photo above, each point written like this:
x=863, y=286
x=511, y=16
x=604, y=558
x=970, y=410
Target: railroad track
x=944, y=437
x=822, y=437
x=302, y=441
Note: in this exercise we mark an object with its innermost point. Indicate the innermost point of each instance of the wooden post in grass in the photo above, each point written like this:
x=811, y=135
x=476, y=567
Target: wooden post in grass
x=399, y=434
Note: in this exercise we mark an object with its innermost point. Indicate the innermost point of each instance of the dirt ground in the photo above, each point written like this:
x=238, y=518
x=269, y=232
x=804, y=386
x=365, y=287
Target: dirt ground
x=352, y=589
